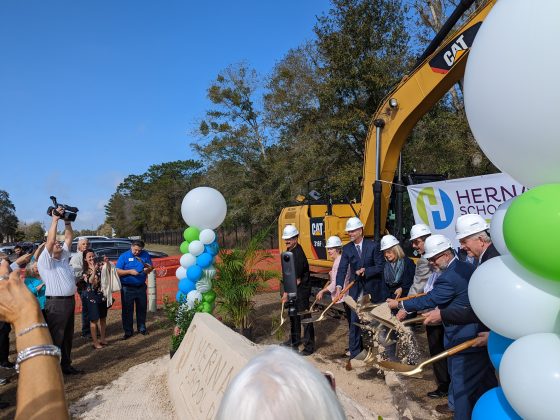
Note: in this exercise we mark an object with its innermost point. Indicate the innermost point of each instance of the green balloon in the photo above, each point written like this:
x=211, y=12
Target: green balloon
x=200, y=308
x=191, y=234
x=532, y=228
x=209, y=296
x=206, y=307
x=184, y=248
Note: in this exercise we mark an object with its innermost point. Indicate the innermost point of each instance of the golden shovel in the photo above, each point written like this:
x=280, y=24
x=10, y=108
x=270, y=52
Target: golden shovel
x=338, y=299
x=415, y=370
x=310, y=310
x=282, y=320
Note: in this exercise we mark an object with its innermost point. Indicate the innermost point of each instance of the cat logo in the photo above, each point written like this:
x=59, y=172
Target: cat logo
x=317, y=229
x=448, y=55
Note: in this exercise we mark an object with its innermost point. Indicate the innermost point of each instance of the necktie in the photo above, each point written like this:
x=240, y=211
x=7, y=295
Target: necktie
x=359, y=249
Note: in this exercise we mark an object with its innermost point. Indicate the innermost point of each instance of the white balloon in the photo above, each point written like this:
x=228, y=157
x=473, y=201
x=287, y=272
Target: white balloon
x=187, y=260
x=497, y=227
x=192, y=297
x=196, y=248
x=511, y=98
x=181, y=272
x=204, y=207
x=513, y=301
x=209, y=272
x=204, y=284
x=530, y=376
x=207, y=236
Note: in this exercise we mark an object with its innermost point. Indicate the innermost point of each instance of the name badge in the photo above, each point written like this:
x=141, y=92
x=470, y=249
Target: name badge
x=131, y=259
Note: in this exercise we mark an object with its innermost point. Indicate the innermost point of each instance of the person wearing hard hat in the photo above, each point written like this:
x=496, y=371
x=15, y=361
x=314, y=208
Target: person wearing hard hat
x=365, y=261
x=398, y=271
x=418, y=235
x=290, y=235
x=470, y=370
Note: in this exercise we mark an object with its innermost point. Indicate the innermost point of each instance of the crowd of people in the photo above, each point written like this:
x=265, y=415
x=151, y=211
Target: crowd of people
x=437, y=287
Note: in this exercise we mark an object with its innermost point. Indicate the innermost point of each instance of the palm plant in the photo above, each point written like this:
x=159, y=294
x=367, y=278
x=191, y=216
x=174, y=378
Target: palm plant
x=238, y=280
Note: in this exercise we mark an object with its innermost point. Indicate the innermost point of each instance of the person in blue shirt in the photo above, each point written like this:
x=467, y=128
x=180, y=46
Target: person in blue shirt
x=133, y=268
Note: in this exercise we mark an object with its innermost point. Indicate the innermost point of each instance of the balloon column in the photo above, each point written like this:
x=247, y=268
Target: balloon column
x=511, y=101
x=203, y=209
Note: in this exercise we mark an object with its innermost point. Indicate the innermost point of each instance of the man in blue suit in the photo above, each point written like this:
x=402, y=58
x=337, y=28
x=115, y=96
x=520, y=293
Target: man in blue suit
x=470, y=370
x=366, y=265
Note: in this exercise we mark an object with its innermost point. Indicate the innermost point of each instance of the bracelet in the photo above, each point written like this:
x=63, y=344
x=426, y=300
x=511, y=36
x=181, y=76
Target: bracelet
x=32, y=327
x=41, y=350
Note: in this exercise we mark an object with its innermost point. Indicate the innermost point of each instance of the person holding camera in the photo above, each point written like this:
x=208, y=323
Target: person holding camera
x=58, y=275
x=93, y=297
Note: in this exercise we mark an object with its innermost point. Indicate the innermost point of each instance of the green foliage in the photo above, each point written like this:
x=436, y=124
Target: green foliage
x=238, y=280
x=32, y=232
x=8, y=218
x=181, y=316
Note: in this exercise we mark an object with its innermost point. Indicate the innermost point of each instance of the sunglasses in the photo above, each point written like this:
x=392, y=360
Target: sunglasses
x=434, y=258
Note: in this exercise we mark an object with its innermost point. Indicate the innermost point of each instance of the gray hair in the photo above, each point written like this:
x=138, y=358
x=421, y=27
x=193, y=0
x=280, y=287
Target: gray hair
x=278, y=385
x=482, y=235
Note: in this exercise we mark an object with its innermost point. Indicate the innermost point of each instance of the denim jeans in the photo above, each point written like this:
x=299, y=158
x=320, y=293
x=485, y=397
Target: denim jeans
x=129, y=296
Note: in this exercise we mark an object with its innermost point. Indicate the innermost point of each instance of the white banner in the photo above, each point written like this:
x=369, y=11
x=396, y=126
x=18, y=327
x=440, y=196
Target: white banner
x=439, y=204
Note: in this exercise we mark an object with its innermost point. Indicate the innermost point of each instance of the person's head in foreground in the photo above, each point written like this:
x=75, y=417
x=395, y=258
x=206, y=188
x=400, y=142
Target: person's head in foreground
x=278, y=385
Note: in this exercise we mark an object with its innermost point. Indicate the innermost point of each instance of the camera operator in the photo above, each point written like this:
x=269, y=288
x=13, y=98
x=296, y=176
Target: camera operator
x=58, y=276
x=290, y=236
x=93, y=297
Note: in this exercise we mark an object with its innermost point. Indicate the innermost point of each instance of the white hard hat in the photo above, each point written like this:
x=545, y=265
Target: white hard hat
x=289, y=232
x=388, y=241
x=333, y=242
x=436, y=244
x=469, y=224
x=353, y=223
x=419, y=230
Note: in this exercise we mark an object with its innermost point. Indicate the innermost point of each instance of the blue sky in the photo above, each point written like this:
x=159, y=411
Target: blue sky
x=92, y=91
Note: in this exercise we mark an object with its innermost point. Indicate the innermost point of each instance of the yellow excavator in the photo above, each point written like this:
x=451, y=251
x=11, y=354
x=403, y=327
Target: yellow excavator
x=441, y=66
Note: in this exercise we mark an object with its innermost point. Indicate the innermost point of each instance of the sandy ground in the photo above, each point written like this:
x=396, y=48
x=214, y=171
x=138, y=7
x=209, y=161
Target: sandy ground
x=127, y=379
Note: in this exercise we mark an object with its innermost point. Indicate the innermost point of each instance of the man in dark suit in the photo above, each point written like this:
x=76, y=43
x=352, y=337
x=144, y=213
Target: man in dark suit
x=366, y=266
x=470, y=370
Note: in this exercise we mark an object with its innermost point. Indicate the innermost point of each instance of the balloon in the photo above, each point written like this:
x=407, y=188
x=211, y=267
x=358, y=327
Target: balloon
x=209, y=296
x=186, y=285
x=181, y=272
x=184, y=247
x=212, y=249
x=194, y=273
x=530, y=376
x=196, y=248
x=493, y=405
x=191, y=234
x=204, y=284
x=204, y=260
x=532, y=229
x=206, y=307
x=496, y=227
x=204, y=207
x=209, y=272
x=187, y=260
x=518, y=138
x=497, y=345
x=513, y=301
x=207, y=236
x=180, y=296
x=193, y=297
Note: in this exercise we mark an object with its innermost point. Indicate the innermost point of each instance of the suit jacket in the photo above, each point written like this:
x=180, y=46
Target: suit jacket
x=406, y=280
x=421, y=275
x=465, y=315
x=372, y=260
x=450, y=291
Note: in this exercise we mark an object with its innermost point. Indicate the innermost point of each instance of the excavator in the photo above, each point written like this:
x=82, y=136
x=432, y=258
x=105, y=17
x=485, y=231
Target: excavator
x=436, y=71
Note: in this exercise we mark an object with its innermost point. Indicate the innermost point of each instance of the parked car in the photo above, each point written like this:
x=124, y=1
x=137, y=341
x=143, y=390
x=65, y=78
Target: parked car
x=115, y=252
x=104, y=243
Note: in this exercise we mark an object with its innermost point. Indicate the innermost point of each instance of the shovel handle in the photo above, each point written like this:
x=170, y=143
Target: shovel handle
x=410, y=297
x=461, y=347
x=343, y=291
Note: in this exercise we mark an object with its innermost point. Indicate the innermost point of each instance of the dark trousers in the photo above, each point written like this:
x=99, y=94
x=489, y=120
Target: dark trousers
x=5, y=329
x=302, y=304
x=59, y=314
x=354, y=336
x=85, y=315
x=130, y=296
x=472, y=374
x=435, y=345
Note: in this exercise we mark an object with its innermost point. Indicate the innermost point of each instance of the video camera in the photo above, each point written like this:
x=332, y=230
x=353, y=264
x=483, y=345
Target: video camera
x=289, y=280
x=69, y=214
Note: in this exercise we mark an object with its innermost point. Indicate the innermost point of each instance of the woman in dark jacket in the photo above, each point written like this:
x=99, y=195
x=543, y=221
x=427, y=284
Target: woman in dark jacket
x=398, y=273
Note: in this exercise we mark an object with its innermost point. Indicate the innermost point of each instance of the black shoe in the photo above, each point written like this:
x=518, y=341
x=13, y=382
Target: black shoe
x=444, y=409
x=306, y=352
x=7, y=365
x=126, y=336
x=437, y=393
x=86, y=336
x=143, y=332
x=71, y=370
x=4, y=404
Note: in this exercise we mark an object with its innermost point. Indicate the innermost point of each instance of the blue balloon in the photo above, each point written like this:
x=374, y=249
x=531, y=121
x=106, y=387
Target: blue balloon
x=204, y=260
x=212, y=248
x=194, y=273
x=493, y=405
x=180, y=296
x=497, y=345
x=186, y=285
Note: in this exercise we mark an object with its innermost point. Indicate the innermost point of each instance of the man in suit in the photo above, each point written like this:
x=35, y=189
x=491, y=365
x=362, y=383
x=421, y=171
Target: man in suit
x=366, y=267
x=470, y=370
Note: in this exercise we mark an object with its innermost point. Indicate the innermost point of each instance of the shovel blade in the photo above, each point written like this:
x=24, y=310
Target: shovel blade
x=315, y=319
x=400, y=367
